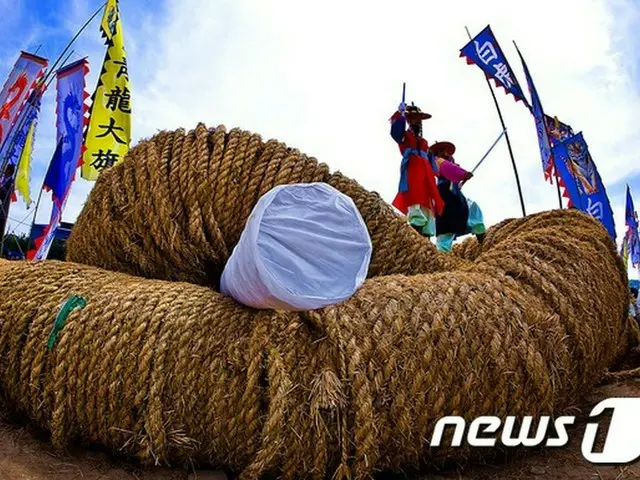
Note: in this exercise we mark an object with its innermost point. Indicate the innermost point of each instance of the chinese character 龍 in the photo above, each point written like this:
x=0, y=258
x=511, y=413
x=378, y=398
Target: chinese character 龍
x=119, y=99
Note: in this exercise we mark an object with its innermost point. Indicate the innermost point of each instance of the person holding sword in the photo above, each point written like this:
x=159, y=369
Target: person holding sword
x=460, y=216
x=418, y=197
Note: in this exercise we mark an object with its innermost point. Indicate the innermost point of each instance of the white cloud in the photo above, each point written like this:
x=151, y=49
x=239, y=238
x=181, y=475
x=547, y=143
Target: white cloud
x=326, y=76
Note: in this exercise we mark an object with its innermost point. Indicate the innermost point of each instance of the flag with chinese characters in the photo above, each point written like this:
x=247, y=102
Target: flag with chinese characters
x=581, y=180
x=632, y=236
x=485, y=52
x=22, y=80
x=541, y=128
x=108, y=135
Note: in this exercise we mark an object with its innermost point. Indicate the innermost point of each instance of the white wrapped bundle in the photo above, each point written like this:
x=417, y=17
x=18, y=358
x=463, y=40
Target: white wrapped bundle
x=305, y=246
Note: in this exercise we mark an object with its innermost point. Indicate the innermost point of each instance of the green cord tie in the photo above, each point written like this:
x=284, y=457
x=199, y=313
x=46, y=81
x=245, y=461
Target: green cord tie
x=71, y=304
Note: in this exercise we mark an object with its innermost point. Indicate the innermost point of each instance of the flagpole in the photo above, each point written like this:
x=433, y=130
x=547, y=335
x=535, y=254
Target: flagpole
x=24, y=115
x=506, y=136
x=558, y=187
x=5, y=162
x=64, y=62
x=555, y=169
x=4, y=214
x=555, y=173
x=71, y=42
x=46, y=77
x=35, y=215
x=488, y=151
x=95, y=14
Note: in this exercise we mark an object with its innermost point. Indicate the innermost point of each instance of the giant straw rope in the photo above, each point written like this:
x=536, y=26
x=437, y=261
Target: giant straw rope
x=168, y=370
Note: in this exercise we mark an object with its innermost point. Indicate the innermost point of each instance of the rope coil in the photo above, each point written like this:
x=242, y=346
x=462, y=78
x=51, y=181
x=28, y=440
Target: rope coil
x=167, y=370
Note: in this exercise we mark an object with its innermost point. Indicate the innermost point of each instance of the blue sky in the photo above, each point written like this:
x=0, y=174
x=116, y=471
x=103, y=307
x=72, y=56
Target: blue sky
x=325, y=77
x=46, y=26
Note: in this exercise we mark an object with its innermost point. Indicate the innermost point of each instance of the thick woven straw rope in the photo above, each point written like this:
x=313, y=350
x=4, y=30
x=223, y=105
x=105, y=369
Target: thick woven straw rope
x=167, y=370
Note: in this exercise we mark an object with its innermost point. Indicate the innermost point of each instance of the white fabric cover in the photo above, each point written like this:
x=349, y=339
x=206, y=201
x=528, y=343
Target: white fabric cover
x=305, y=246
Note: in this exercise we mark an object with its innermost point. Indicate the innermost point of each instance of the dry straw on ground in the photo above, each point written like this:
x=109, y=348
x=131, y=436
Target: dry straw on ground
x=170, y=370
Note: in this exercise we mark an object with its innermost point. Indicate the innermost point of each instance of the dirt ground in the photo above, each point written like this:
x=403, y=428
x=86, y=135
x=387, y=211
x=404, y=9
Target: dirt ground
x=25, y=454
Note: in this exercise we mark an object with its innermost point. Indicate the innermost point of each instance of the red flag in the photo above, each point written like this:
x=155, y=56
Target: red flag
x=22, y=80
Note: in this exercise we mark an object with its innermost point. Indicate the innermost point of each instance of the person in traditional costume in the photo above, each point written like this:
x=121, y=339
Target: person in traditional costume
x=418, y=197
x=460, y=215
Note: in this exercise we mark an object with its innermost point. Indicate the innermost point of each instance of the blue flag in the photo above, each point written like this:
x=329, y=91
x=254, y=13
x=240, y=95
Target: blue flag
x=632, y=236
x=629, y=212
x=15, y=143
x=634, y=249
x=541, y=128
x=70, y=123
x=67, y=156
x=557, y=130
x=484, y=51
x=582, y=181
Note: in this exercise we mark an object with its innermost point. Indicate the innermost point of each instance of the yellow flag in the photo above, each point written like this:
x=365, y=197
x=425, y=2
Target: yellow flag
x=108, y=135
x=24, y=166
